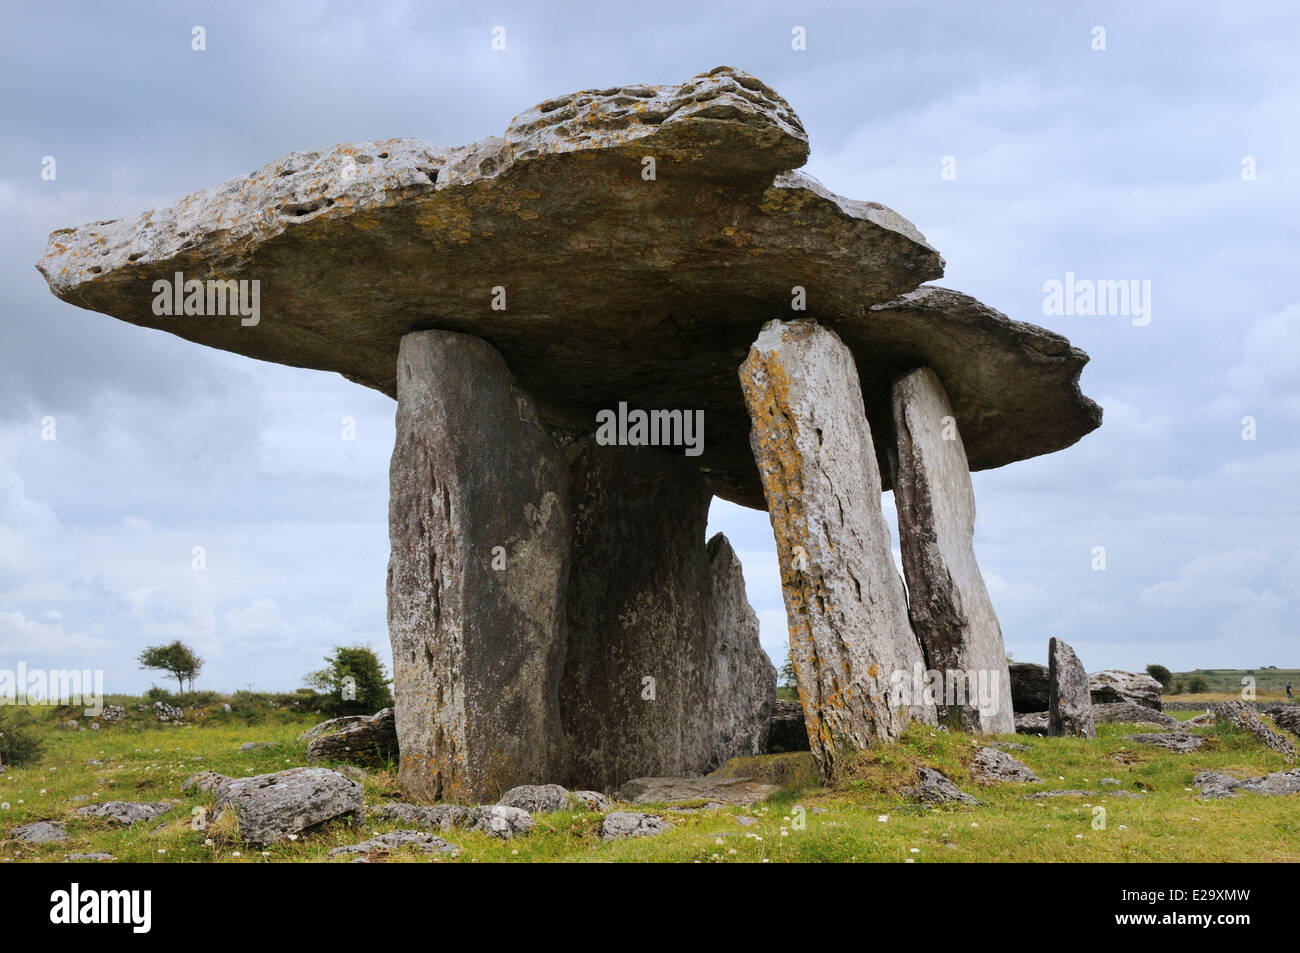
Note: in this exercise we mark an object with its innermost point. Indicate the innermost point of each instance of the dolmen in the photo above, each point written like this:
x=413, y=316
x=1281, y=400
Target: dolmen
x=630, y=303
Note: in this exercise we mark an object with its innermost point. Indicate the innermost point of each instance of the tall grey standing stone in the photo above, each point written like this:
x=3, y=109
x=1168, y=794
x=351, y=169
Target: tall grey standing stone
x=844, y=600
x=743, y=693
x=1069, y=702
x=948, y=602
x=639, y=662
x=478, y=520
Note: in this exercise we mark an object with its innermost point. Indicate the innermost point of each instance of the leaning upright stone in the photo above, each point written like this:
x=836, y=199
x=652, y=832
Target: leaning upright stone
x=1069, y=702
x=743, y=694
x=844, y=600
x=479, y=525
x=949, y=604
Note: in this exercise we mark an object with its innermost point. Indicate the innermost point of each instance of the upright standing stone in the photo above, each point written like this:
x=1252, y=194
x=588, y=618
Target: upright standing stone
x=639, y=665
x=844, y=600
x=743, y=693
x=949, y=605
x=479, y=525
x=1069, y=702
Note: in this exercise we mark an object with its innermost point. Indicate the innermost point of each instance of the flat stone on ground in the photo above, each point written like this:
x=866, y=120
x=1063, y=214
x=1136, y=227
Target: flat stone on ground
x=992, y=766
x=395, y=840
x=649, y=790
x=1179, y=742
x=621, y=824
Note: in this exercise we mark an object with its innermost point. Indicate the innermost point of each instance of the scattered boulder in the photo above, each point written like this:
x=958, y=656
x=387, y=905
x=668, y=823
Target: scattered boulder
x=40, y=832
x=204, y=782
x=721, y=790
x=1244, y=719
x=621, y=824
x=1109, y=781
x=441, y=816
x=86, y=858
x=273, y=806
x=1286, y=716
x=394, y=840
x=126, y=812
x=1010, y=746
x=1032, y=723
x=499, y=821
x=787, y=730
x=370, y=740
x=1215, y=785
x=537, y=798
x=1179, y=742
x=332, y=726
x=1132, y=714
x=254, y=745
x=592, y=800
x=1112, y=686
x=1028, y=687
x=934, y=787
x=1069, y=703
x=112, y=714
x=996, y=767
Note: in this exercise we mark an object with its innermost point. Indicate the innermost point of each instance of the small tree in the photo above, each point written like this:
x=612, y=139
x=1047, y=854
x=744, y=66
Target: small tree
x=1198, y=686
x=354, y=679
x=1161, y=675
x=785, y=677
x=178, y=660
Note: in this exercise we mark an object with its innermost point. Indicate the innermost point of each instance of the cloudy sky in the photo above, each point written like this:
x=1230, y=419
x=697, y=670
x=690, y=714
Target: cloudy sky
x=1128, y=162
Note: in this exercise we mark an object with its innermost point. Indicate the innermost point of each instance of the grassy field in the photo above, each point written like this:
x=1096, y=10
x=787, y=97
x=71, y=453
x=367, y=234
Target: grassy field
x=862, y=818
x=1225, y=683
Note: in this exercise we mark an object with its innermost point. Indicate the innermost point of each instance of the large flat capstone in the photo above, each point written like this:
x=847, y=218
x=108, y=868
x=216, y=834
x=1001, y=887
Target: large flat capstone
x=598, y=276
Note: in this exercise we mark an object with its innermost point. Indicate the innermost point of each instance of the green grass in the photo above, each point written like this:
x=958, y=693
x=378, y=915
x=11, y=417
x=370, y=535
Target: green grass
x=1225, y=683
x=149, y=762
